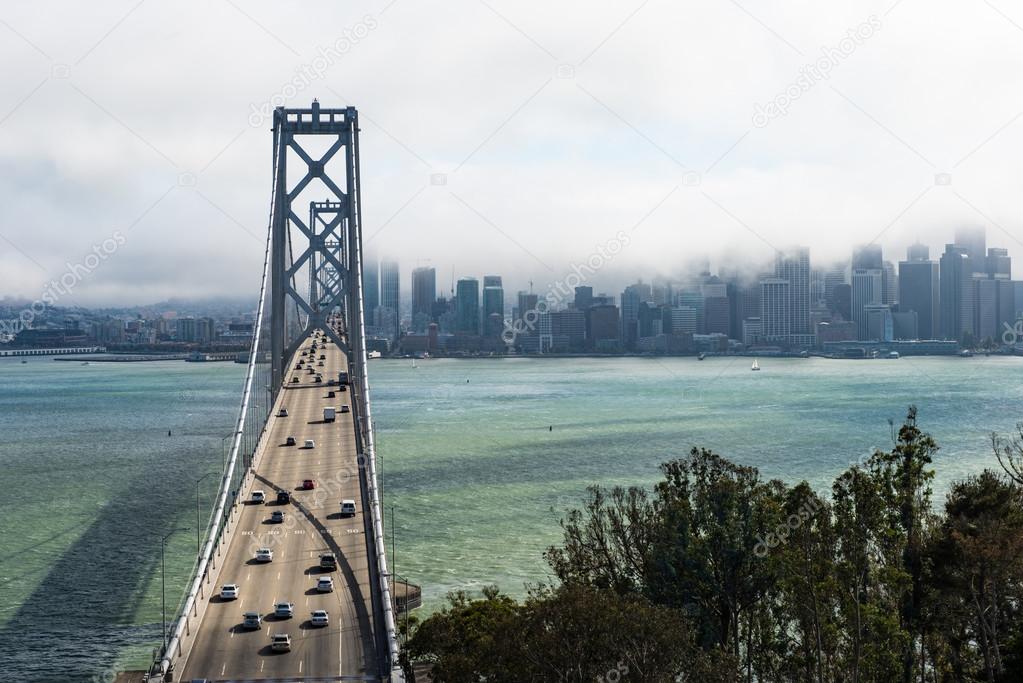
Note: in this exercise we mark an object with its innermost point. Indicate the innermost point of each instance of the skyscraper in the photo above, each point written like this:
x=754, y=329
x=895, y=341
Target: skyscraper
x=866, y=291
x=370, y=288
x=424, y=293
x=493, y=305
x=889, y=284
x=632, y=297
x=794, y=266
x=867, y=257
x=583, y=297
x=972, y=241
x=956, y=285
x=919, y=291
x=390, y=296
x=467, y=306
x=775, y=309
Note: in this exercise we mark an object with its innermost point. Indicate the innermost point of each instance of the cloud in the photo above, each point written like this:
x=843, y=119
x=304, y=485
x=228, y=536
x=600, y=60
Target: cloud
x=553, y=125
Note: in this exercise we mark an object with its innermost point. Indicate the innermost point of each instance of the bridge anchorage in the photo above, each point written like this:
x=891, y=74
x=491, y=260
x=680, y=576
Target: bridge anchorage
x=311, y=388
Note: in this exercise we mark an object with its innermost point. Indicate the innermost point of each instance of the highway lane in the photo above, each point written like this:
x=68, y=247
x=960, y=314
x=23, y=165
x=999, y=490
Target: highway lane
x=312, y=526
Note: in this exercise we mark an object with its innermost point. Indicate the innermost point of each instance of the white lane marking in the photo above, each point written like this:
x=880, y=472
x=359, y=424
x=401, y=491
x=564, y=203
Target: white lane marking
x=278, y=576
x=261, y=665
x=223, y=669
x=300, y=666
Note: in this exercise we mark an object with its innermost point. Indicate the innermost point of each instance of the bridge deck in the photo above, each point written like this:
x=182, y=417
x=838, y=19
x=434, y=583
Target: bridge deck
x=313, y=525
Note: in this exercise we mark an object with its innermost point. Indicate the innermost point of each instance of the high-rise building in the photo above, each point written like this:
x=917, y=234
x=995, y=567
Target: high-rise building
x=602, y=327
x=775, y=309
x=880, y=325
x=390, y=297
x=972, y=241
x=889, y=284
x=956, y=286
x=999, y=265
x=467, y=306
x=867, y=257
x=583, y=297
x=424, y=293
x=370, y=288
x=632, y=297
x=919, y=291
x=794, y=266
x=985, y=308
x=918, y=252
x=866, y=291
x=833, y=277
x=493, y=305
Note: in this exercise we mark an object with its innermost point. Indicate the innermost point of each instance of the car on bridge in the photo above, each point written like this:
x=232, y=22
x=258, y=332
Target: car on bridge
x=318, y=379
x=347, y=508
x=346, y=409
x=284, y=610
x=252, y=620
x=276, y=517
x=258, y=497
x=294, y=380
x=290, y=441
x=283, y=412
x=229, y=591
x=309, y=443
x=280, y=642
x=328, y=561
x=283, y=498
x=308, y=484
x=325, y=584
x=264, y=555
x=319, y=618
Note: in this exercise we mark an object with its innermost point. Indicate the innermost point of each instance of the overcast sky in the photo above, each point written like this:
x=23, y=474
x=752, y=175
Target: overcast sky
x=504, y=137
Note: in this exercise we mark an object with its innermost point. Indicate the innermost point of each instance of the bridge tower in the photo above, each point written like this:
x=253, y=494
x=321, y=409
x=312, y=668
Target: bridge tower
x=326, y=250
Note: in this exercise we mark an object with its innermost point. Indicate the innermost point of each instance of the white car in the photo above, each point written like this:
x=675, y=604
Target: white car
x=283, y=412
x=284, y=610
x=347, y=508
x=280, y=642
x=325, y=584
x=309, y=443
x=252, y=620
x=264, y=555
x=229, y=591
x=258, y=496
x=320, y=618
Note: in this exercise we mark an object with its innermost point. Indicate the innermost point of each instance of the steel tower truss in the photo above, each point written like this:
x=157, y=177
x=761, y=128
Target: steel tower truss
x=322, y=245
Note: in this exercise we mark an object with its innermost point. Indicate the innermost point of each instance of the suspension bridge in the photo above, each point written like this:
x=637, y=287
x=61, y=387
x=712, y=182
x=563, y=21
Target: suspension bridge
x=306, y=463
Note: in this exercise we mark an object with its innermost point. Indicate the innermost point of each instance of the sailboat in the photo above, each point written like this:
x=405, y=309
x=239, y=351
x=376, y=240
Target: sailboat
x=701, y=356
x=756, y=365
x=413, y=362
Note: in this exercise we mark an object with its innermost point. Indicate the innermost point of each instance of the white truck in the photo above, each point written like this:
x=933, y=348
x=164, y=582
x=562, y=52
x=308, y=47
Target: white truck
x=329, y=414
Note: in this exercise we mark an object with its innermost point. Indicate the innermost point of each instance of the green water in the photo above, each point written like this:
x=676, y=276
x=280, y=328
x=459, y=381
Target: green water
x=475, y=475
x=478, y=482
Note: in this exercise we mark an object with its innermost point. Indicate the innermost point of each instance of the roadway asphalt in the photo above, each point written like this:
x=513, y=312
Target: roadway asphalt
x=312, y=526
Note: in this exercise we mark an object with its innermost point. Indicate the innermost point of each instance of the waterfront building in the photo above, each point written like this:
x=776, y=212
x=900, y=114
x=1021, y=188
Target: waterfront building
x=467, y=306
x=919, y=290
x=390, y=297
x=775, y=310
x=956, y=298
x=866, y=290
x=794, y=267
x=424, y=293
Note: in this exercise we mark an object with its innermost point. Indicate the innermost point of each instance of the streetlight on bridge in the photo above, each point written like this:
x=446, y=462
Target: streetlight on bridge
x=163, y=580
x=198, y=524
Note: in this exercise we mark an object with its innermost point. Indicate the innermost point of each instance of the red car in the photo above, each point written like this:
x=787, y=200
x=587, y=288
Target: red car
x=308, y=484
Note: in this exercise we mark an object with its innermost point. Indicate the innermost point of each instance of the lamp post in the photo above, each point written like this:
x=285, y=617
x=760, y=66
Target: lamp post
x=163, y=580
x=198, y=524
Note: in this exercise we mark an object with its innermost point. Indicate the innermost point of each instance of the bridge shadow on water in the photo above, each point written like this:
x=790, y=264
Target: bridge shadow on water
x=81, y=616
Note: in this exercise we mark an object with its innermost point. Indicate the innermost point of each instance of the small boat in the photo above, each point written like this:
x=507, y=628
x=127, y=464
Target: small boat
x=413, y=362
x=756, y=365
x=966, y=353
x=23, y=362
x=85, y=362
x=701, y=356
x=893, y=354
